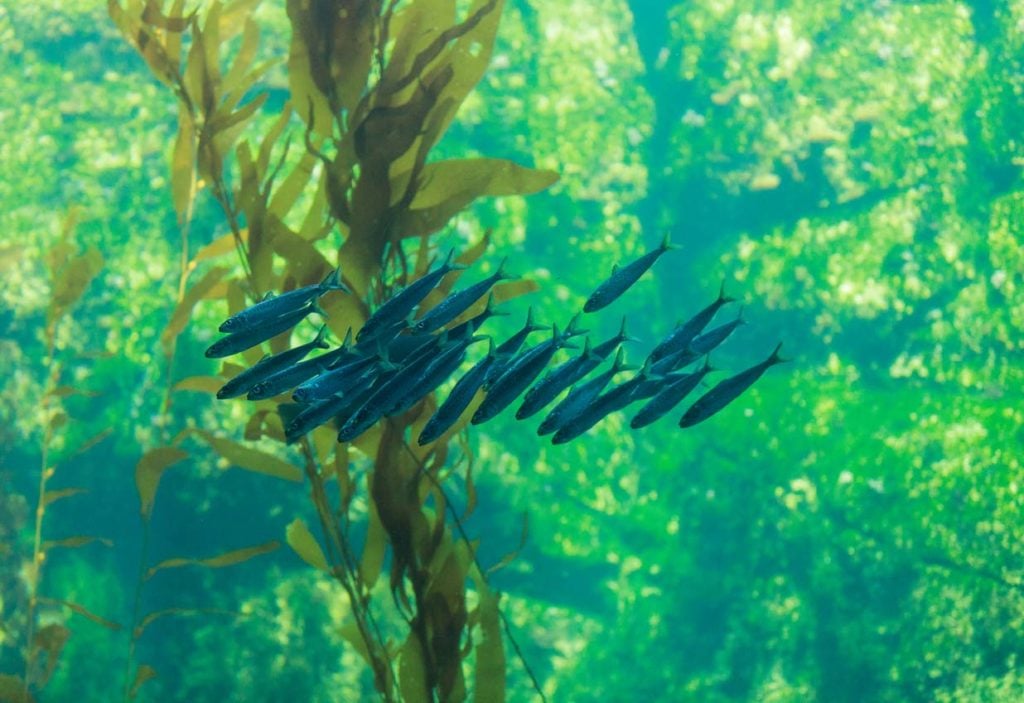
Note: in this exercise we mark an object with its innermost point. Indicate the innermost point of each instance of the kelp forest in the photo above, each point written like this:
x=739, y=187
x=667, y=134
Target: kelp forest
x=511, y=350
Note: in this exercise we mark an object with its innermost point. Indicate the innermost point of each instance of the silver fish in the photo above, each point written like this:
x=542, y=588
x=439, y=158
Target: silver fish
x=272, y=307
x=581, y=396
x=458, y=400
x=728, y=390
x=622, y=277
x=616, y=399
x=457, y=303
x=399, y=306
x=683, y=334
x=269, y=365
x=251, y=336
x=670, y=395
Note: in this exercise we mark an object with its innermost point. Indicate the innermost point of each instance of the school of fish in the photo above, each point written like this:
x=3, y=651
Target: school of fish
x=401, y=355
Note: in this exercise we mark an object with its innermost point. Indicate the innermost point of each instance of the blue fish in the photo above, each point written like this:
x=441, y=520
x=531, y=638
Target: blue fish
x=458, y=399
x=623, y=277
x=457, y=303
x=600, y=407
x=704, y=343
x=388, y=394
x=335, y=380
x=467, y=328
x=320, y=411
x=521, y=372
x=670, y=395
x=269, y=365
x=557, y=380
x=240, y=341
x=728, y=390
x=399, y=306
x=443, y=366
x=269, y=308
x=682, y=335
x=581, y=396
x=288, y=378
x=506, y=350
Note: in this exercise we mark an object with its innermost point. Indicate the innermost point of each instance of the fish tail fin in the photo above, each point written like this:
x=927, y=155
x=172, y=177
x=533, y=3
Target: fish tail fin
x=531, y=323
x=775, y=358
x=707, y=367
x=722, y=297
x=572, y=329
x=450, y=265
x=623, y=335
x=333, y=282
x=620, y=362
x=501, y=274
x=319, y=342
x=666, y=245
x=489, y=307
x=347, y=342
x=587, y=349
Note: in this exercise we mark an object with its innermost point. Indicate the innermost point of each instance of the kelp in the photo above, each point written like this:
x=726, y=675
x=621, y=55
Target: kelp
x=71, y=272
x=374, y=85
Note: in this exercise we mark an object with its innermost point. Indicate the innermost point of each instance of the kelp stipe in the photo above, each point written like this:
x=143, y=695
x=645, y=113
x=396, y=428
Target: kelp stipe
x=71, y=273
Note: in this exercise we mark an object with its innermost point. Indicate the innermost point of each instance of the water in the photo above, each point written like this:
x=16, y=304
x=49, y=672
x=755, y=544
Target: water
x=846, y=530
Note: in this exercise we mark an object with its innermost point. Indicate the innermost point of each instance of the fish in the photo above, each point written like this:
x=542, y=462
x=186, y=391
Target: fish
x=622, y=277
x=388, y=394
x=457, y=303
x=603, y=350
x=557, y=380
x=670, y=396
x=727, y=390
x=683, y=334
x=269, y=308
x=521, y=372
x=580, y=396
x=458, y=399
x=269, y=365
x=321, y=410
x=443, y=366
x=399, y=306
x=507, y=349
x=704, y=343
x=288, y=378
x=600, y=407
x=334, y=380
x=467, y=328
x=240, y=341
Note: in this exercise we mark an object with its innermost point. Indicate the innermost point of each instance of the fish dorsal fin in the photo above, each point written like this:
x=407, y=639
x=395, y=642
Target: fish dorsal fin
x=319, y=342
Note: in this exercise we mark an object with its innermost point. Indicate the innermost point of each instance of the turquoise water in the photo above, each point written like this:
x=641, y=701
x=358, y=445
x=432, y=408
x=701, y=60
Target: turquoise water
x=848, y=529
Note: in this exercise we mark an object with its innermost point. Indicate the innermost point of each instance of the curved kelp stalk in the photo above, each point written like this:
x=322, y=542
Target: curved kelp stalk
x=376, y=85
x=71, y=273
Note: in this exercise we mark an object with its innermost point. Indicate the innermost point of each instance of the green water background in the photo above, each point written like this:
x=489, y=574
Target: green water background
x=850, y=530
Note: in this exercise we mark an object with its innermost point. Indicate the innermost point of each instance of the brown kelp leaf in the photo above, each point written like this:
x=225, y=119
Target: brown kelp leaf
x=302, y=541
x=225, y=244
x=70, y=279
x=372, y=561
x=227, y=126
x=414, y=27
x=489, y=676
x=75, y=542
x=12, y=690
x=468, y=56
x=50, y=639
x=148, y=472
x=153, y=15
x=50, y=497
x=183, y=311
x=306, y=264
x=183, y=167
x=64, y=391
x=150, y=618
x=91, y=442
x=143, y=674
x=200, y=384
x=83, y=611
x=507, y=290
x=412, y=675
x=308, y=74
x=349, y=631
x=444, y=180
x=243, y=59
x=286, y=194
x=251, y=459
x=235, y=556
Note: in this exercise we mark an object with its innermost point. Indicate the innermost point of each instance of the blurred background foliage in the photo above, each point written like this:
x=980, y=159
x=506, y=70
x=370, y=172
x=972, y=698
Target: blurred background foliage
x=850, y=530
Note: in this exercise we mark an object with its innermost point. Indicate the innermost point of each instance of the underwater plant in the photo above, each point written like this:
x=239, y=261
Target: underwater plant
x=373, y=86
